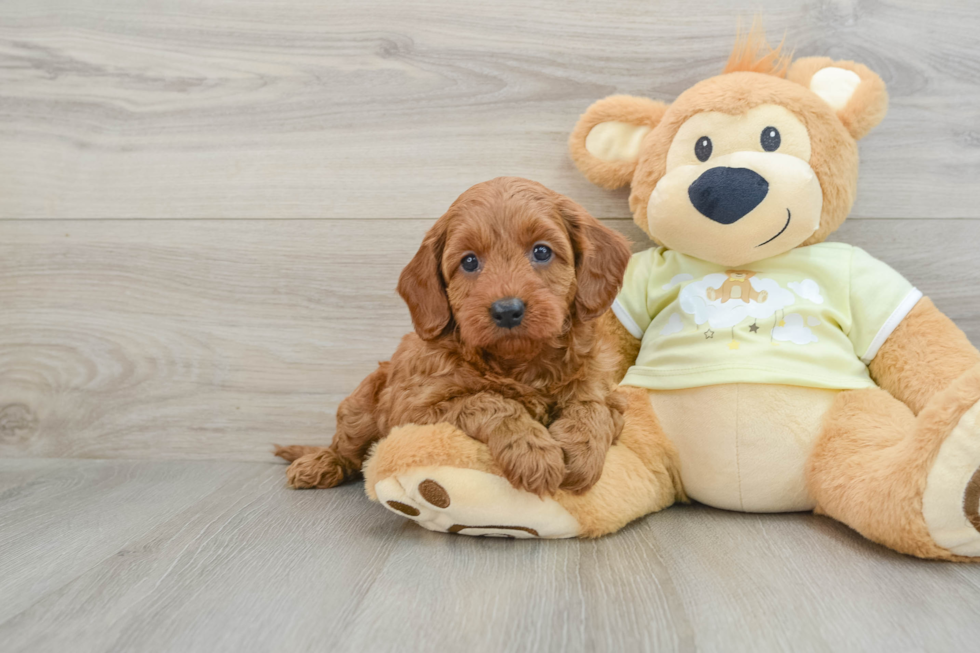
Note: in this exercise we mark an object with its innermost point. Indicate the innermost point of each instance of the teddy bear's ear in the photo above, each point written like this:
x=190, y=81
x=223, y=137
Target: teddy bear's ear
x=605, y=143
x=853, y=91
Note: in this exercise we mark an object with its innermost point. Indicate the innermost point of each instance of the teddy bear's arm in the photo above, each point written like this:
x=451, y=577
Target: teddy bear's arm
x=625, y=343
x=924, y=354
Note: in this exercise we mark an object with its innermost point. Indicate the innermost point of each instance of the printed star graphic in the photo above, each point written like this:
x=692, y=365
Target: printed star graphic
x=709, y=334
x=754, y=328
x=733, y=344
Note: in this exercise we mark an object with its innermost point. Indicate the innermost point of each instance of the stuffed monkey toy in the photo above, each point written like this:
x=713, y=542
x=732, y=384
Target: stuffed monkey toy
x=767, y=370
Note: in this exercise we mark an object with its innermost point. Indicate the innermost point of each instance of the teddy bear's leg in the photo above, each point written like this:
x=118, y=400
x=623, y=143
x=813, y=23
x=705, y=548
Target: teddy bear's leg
x=446, y=481
x=908, y=482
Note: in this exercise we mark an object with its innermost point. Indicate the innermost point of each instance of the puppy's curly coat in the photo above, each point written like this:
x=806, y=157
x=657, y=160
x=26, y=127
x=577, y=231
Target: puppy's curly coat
x=537, y=385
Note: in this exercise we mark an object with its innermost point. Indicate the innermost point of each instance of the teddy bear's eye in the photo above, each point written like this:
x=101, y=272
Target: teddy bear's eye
x=770, y=139
x=702, y=149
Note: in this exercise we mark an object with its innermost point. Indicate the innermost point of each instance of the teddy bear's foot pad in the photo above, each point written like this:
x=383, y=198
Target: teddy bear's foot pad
x=471, y=502
x=951, y=502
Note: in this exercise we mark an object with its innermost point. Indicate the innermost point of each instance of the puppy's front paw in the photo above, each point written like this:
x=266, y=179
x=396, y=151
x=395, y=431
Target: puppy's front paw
x=584, y=459
x=582, y=472
x=323, y=469
x=536, y=465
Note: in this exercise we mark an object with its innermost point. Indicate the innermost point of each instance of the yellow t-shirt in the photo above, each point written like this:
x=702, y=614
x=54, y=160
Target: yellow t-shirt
x=814, y=316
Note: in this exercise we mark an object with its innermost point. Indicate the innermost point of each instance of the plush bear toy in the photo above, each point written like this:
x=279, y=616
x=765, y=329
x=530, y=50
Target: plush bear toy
x=766, y=369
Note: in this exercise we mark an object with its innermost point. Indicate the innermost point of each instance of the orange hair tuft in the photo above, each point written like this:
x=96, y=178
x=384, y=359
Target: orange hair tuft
x=754, y=54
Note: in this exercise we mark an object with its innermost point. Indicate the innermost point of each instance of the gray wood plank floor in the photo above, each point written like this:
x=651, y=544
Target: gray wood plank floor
x=252, y=566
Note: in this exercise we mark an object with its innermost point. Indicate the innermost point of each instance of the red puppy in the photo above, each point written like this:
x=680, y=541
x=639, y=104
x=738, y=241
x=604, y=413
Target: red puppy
x=503, y=292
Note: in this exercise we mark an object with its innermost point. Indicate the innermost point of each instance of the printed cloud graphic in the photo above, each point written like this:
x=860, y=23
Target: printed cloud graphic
x=694, y=301
x=794, y=331
x=674, y=324
x=678, y=279
x=807, y=289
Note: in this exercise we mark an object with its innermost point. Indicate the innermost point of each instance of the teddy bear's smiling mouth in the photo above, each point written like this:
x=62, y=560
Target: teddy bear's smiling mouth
x=789, y=216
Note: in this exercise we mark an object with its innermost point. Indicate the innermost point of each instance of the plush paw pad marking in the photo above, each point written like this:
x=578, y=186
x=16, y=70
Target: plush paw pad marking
x=495, y=531
x=971, y=501
x=403, y=508
x=434, y=493
x=471, y=502
x=951, y=501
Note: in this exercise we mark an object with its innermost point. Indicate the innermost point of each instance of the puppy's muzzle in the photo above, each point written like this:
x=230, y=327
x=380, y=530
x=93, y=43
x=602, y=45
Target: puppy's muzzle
x=507, y=313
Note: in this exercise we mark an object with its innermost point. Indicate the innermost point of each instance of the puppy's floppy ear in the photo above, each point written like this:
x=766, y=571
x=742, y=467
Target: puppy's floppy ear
x=605, y=143
x=852, y=90
x=422, y=287
x=601, y=256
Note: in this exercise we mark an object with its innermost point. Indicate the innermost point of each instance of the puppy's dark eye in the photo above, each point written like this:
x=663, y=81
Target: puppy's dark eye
x=770, y=139
x=541, y=253
x=702, y=149
x=470, y=263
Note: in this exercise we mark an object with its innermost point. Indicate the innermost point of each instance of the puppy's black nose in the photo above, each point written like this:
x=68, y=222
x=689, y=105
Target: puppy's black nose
x=726, y=195
x=507, y=312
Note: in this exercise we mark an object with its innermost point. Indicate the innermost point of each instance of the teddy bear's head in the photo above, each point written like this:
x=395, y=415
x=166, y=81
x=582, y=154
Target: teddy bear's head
x=743, y=166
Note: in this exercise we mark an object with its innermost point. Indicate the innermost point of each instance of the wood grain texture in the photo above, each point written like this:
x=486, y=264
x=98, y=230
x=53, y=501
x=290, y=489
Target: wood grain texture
x=253, y=566
x=132, y=325
x=214, y=339
x=61, y=517
x=347, y=109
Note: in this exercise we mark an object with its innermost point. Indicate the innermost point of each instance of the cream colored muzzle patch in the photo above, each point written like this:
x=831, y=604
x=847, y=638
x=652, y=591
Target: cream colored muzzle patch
x=787, y=216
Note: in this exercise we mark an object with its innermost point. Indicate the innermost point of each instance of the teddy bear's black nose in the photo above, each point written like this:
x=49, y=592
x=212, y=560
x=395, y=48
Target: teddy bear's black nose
x=726, y=195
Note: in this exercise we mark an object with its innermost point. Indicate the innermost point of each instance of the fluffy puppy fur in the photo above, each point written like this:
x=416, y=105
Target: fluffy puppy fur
x=541, y=395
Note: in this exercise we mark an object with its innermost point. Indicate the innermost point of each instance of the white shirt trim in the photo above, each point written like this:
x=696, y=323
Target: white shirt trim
x=627, y=320
x=903, y=309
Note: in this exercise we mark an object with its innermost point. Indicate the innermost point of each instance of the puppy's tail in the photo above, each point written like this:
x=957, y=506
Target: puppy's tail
x=292, y=452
